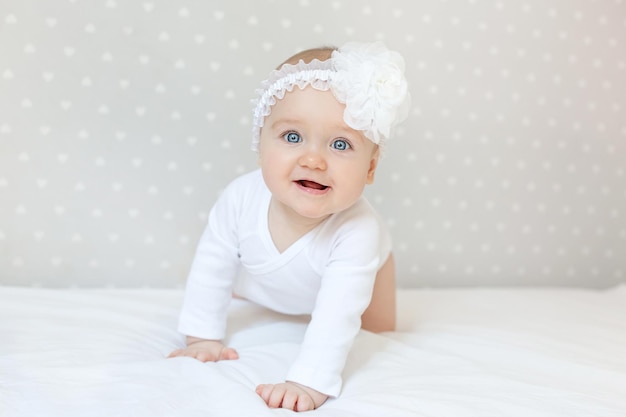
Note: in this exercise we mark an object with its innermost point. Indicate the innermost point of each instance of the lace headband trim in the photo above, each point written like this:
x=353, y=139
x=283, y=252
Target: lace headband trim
x=366, y=77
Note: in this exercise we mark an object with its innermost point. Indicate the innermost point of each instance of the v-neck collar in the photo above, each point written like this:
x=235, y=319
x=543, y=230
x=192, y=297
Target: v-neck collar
x=266, y=236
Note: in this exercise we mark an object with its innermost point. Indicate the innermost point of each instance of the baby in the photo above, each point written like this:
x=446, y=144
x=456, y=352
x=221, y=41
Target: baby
x=297, y=236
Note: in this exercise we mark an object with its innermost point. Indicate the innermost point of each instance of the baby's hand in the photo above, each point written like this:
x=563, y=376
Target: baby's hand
x=291, y=395
x=205, y=350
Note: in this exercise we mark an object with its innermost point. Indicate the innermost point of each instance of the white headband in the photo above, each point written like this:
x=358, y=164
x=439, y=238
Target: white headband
x=366, y=77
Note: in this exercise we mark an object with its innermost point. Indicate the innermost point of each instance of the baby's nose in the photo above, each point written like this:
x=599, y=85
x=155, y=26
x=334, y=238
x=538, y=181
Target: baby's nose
x=313, y=159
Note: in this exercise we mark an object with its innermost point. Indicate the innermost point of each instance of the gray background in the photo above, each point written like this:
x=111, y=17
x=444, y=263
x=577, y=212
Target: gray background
x=121, y=121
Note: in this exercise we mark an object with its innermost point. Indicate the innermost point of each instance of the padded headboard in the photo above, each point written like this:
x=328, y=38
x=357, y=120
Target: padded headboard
x=120, y=122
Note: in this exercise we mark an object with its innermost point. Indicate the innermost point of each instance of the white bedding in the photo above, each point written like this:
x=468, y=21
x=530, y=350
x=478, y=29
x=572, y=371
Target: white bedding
x=457, y=353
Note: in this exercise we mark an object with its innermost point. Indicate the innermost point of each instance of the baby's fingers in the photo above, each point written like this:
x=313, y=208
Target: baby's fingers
x=271, y=394
x=176, y=353
x=291, y=400
x=202, y=356
x=206, y=355
x=264, y=391
x=285, y=396
x=228, y=354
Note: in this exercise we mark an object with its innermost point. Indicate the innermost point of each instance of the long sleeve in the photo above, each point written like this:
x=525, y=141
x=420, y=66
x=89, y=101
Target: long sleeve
x=212, y=274
x=345, y=292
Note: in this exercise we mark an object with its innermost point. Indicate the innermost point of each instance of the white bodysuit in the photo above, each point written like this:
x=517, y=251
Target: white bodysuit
x=328, y=273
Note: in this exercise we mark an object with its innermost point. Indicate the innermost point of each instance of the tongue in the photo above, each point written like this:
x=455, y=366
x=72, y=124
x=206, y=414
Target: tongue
x=312, y=184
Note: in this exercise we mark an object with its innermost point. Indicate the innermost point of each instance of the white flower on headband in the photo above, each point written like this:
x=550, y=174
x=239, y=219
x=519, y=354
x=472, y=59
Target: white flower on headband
x=366, y=77
x=370, y=81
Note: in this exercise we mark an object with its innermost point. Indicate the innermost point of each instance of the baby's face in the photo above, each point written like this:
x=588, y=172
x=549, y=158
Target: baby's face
x=312, y=162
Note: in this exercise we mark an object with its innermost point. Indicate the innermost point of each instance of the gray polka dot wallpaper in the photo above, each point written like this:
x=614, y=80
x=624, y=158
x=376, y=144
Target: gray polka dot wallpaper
x=122, y=121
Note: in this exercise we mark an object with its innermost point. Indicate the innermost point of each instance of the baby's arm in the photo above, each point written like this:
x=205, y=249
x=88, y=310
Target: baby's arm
x=346, y=288
x=291, y=395
x=205, y=350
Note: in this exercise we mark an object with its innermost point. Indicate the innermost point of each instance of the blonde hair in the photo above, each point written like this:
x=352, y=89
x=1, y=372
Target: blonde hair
x=322, y=53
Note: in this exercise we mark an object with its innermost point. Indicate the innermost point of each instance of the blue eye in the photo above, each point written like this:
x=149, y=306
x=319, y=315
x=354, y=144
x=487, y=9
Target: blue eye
x=340, y=145
x=292, y=137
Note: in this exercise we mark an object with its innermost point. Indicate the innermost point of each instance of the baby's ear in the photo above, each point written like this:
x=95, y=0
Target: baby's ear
x=373, y=164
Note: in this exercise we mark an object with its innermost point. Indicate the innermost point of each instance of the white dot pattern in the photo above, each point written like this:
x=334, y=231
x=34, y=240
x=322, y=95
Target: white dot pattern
x=120, y=123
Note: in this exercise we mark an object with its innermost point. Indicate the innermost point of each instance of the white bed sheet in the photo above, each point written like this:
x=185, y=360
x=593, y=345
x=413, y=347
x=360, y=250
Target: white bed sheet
x=457, y=353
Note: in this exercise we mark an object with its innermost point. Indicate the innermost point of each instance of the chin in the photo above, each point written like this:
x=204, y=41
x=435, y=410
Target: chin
x=313, y=214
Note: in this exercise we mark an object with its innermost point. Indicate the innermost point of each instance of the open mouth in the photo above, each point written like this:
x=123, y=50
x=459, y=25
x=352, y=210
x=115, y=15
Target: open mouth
x=312, y=185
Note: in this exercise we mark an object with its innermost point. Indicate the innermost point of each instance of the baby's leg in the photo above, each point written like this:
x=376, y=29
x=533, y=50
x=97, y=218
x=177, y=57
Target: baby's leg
x=380, y=316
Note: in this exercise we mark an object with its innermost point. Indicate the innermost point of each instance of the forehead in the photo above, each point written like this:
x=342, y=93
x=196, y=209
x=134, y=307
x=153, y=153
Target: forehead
x=309, y=108
x=310, y=104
